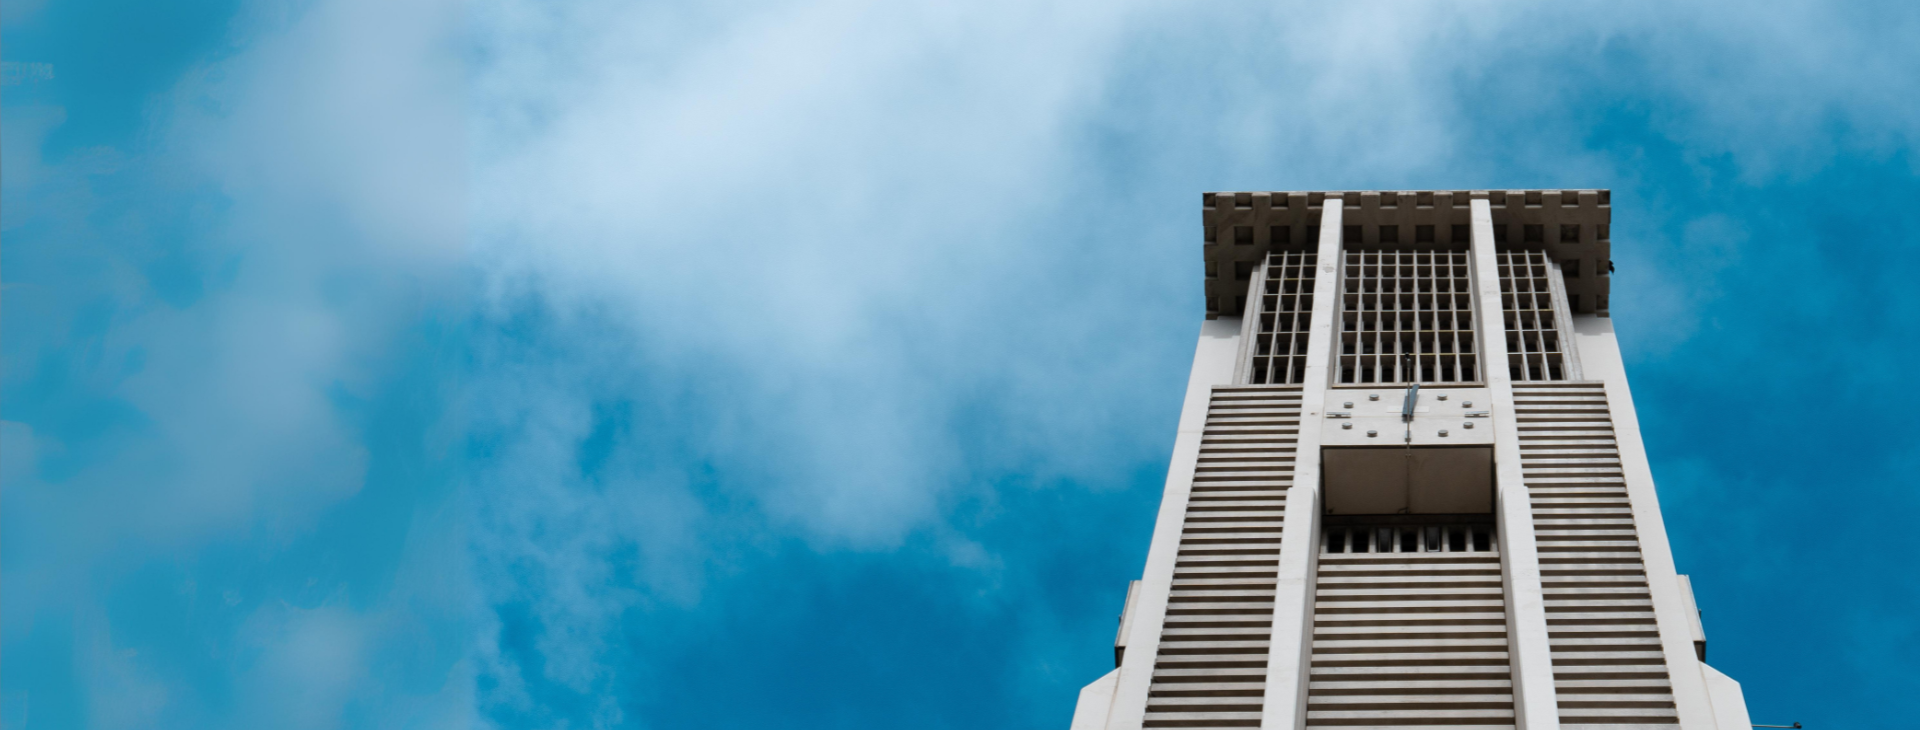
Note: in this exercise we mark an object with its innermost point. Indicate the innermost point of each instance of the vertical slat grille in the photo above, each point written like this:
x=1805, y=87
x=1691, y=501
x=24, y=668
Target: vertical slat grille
x=1211, y=669
x=1399, y=303
x=1409, y=639
x=1286, y=312
x=1535, y=348
x=1608, y=666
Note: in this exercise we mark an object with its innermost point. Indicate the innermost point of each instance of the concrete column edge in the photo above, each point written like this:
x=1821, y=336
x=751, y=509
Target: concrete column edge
x=1212, y=365
x=1288, y=649
x=1530, y=656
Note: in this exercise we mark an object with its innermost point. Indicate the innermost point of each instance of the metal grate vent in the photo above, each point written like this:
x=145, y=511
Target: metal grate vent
x=1536, y=350
x=1286, y=313
x=1396, y=304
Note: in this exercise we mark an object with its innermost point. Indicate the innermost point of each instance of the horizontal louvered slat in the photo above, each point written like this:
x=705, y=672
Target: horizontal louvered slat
x=1211, y=668
x=1608, y=665
x=1407, y=640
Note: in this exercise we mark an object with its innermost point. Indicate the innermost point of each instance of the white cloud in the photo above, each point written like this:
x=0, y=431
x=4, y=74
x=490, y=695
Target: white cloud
x=795, y=196
x=866, y=219
x=302, y=202
x=845, y=261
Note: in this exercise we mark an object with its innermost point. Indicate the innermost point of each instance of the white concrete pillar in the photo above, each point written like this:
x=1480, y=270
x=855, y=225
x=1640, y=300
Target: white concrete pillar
x=1249, y=323
x=1090, y=713
x=1291, y=645
x=1601, y=357
x=1535, y=706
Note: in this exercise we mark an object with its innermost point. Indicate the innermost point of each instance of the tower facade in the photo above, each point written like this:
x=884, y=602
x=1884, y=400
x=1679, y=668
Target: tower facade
x=1408, y=488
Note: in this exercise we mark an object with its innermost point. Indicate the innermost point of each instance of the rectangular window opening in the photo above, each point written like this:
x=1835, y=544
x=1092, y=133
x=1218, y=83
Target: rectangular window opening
x=1383, y=534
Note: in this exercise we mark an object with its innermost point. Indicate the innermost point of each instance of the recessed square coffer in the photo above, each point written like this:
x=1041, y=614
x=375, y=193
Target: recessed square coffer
x=1422, y=480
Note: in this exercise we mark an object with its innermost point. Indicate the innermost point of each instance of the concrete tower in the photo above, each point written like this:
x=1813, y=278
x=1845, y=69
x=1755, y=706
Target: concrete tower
x=1408, y=488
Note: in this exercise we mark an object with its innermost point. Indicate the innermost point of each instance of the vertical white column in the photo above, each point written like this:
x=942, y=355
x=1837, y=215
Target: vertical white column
x=1213, y=363
x=1684, y=669
x=1535, y=705
x=1250, y=323
x=1289, y=649
x=1563, y=321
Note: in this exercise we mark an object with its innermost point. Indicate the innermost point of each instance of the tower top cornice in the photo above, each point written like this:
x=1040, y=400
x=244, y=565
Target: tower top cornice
x=1571, y=226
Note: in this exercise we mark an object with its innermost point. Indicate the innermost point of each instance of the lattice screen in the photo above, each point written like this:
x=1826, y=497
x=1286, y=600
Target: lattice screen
x=1535, y=347
x=1399, y=303
x=1286, y=311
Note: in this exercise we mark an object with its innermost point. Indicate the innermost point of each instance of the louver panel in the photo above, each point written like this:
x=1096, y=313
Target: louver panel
x=1211, y=669
x=1408, y=640
x=1607, y=663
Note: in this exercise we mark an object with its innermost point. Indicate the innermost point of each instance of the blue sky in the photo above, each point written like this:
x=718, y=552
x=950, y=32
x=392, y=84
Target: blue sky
x=763, y=364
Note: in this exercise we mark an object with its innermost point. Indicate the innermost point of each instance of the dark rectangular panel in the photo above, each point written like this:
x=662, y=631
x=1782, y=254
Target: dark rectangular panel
x=1399, y=480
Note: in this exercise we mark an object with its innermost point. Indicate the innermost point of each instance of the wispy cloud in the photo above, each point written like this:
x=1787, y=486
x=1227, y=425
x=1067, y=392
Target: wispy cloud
x=210, y=476
x=541, y=365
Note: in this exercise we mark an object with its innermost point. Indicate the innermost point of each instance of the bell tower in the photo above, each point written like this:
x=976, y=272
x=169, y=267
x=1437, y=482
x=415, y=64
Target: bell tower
x=1408, y=488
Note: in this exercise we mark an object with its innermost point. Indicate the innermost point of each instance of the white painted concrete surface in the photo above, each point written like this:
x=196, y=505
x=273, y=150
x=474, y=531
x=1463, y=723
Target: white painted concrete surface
x=1382, y=416
x=1285, y=704
x=1090, y=713
x=1535, y=706
x=1729, y=703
